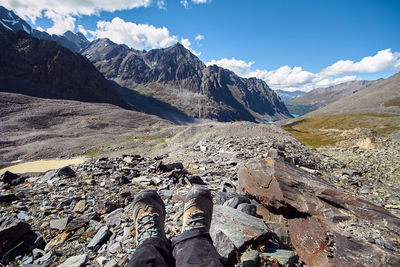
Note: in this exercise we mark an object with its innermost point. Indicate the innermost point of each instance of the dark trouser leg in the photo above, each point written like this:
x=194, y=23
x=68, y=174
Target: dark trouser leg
x=194, y=248
x=153, y=252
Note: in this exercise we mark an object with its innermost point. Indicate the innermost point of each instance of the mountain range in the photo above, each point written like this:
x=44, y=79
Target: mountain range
x=176, y=76
x=172, y=77
x=287, y=95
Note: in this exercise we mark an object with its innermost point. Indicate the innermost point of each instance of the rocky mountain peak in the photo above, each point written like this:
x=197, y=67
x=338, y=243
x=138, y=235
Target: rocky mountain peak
x=77, y=38
x=176, y=54
x=104, y=48
x=9, y=20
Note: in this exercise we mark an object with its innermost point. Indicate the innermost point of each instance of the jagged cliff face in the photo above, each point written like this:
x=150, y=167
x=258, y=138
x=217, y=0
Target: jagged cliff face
x=46, y=69
x=176, y=76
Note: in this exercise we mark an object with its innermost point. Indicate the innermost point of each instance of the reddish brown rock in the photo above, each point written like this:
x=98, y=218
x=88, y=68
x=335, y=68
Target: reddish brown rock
x=313, y=209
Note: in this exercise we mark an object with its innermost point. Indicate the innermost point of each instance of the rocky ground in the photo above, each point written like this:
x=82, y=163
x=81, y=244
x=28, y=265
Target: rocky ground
x=376, y=170
x=83, y=215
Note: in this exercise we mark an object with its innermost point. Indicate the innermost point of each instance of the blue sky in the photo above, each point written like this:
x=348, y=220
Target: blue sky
x=290, y=44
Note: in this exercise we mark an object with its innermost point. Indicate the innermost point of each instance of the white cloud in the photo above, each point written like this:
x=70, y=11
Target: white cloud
x=186, y=43
x=161, y=4
x=291, y=79
x=383, y=60
x=199, y=37
x=333, y=81
x=138, y=36
x=240, y=67
x=185, y=3
x=201, y=1
x=58, y=10
x=82, y=30
x=284, y=76
x=61, y=23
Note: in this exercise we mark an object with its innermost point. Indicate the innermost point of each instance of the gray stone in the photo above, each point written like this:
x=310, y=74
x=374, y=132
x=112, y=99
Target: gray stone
x=44, y=258
x=249, y=209
x=224, y=246
x=273, y=153
x=80, y=206
x=143, y=180
x=239, y=227
x=67, y=201
x=114, y=247
x=193, y=179
x=250, y=258
x=282, y=255
x=59, y=224
x=37, y=253
x=156, y=180
x=65, y=172
x=27, y=260
x=7, y=198
x=11, y=178
x=232, y=202
x=111, y=263
x=75, y=261
x=104, y=207
x=167, y=193
x=121, y=180
x=232, y=163
x=171, y=167
x=100, y=237
x=23, y=216
x=114, y=218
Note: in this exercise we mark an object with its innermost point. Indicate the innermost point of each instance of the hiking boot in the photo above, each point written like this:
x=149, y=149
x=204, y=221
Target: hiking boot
x=149, y=216
x=198, y=207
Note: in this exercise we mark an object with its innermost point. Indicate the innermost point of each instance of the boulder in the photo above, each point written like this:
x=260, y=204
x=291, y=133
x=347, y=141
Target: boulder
x=313, y=209
x=11, y=178
x=170, y=166
x=65, y=172
x=7, y=198
x=12, y=231
x=232, y=230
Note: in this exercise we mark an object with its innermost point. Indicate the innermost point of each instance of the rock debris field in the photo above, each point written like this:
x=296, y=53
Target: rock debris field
x=276, y=203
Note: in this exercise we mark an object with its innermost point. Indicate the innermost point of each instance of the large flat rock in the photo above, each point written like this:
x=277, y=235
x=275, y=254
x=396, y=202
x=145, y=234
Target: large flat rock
x=232, y=229
x=315, y=210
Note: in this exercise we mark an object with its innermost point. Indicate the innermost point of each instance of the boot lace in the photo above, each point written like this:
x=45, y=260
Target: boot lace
x=196, y=220
x=147, y=228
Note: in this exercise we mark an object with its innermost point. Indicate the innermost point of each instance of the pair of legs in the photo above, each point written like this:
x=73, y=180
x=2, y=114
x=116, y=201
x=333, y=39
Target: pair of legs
x=193, y=247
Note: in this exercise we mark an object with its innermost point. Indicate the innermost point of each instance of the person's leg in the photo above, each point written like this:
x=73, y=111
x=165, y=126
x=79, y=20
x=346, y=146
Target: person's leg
x=153, y=252
x=194, y=246
x=153, y=248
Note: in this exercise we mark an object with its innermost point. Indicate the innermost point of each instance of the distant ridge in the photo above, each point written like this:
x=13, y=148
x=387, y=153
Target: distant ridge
x=321, y=97
x=382, y=96
x=287, y=96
